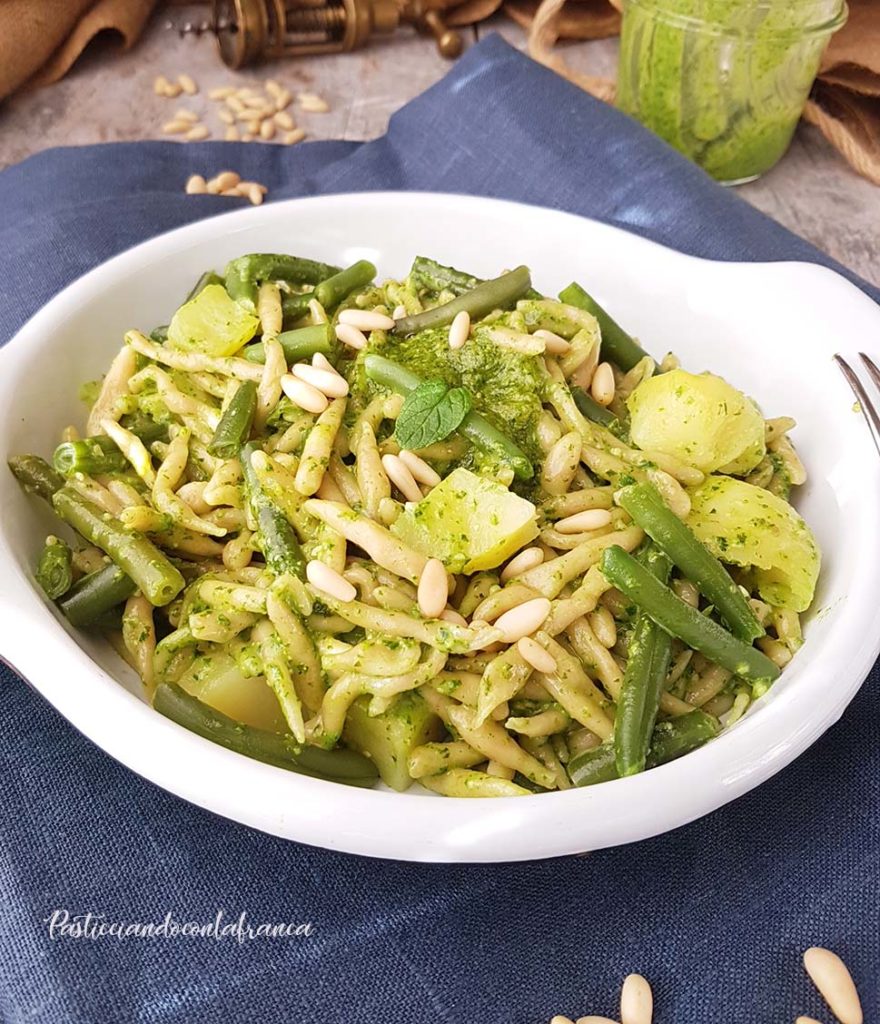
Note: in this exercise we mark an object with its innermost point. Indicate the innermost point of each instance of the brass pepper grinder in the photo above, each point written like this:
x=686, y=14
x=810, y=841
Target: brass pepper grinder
x=252, y=30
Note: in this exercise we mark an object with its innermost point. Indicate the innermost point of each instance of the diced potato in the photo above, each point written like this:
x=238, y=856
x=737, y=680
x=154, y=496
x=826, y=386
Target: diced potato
x=218, y=681
x=212, y=323
x=468, y=522
x=697, y=418
x=745, y=525
x=388, y=739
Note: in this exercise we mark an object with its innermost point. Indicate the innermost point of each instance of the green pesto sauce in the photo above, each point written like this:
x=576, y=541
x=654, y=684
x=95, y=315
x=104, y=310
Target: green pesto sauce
x=723, y=81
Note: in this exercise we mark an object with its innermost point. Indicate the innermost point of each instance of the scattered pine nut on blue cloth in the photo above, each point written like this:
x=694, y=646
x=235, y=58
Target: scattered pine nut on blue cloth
x=716, y=914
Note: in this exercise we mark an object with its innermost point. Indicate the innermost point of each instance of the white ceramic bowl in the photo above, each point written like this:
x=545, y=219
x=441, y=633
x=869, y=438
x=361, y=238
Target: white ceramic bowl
x=769, y=328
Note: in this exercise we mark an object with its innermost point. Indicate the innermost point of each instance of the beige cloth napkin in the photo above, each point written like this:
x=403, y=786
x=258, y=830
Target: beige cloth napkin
x=41, y=39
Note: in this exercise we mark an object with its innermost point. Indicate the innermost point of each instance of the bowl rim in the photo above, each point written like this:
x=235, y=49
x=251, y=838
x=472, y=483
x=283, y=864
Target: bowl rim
x=369, y=821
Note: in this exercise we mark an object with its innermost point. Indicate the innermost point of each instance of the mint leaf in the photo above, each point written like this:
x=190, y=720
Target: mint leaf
x=431, y=413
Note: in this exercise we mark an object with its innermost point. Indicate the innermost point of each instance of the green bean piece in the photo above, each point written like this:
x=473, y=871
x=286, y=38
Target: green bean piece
x=298, y=344
x=54, y=570
x=476, y=428
x=499, y=293
x=643, y=502
x=671, y=739
x=244, y=275
x=209, y=277
x=278, y=749
x=137, y=556
x=590, y=408
x=145, y=427
x=430, y=276
x=91, y=598
x=90, y=455
x=617, y=345
x=294, y=306
x=681, y=620
x=235, y=424
x=334, y=289
x=159, y=334
x=36, y=475
x=276, y=536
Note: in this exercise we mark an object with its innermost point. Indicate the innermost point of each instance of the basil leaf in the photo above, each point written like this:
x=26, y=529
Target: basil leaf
x=430, y=413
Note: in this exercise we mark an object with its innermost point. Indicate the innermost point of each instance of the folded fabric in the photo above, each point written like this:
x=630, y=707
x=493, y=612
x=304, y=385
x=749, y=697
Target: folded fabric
x=716, y=914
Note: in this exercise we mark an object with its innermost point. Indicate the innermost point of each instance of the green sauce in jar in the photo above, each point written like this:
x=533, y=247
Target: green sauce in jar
x=723, y=81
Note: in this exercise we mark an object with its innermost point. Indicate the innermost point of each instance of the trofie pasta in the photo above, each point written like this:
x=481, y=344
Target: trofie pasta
x=439, y=531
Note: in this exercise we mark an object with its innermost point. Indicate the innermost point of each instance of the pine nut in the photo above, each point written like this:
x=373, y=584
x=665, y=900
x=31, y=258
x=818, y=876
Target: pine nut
x=834, y=982
x=246, y=93
x=176, y=127
x=234, y=104
x=255, y=194
x=284, y=120
x=687, y=592
x=419, y=468
x=366, y=320
x=593, y=1019
x=182, y=114
x=399, y=311
x=267, y=130
x=328, y=382
x=523, y=620
x=459, y=329
x=196, y=185
x=401, y=477
x=227, y=179
x=602, y=385
x=213, y=187
x=232, y=192
x=172, y=90
x=603, y=625
x=226, y=116
x=302, y=394
x=553, y=344
x=254, y=102
x=351, y=336
x=560, y=1019
x=321, y=362
x=247, y=116
x=232, y=134
x=283, y=99
x=247, y=137
x=451, y=615
x=272, y=87
x=313, y=103
x=221, y=92
x=291, y=138
x=187, y=83
x=636, y=1001
x=532, y=652
x=807, y=1020
x=323, y=578
x=198, y=133
x=433, y=591
x=247, y=185
x=522, y=562
x=160, y=85
x=580, y=522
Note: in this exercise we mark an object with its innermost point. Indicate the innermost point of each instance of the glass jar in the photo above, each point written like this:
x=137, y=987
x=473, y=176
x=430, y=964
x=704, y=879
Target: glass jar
x=723, y=81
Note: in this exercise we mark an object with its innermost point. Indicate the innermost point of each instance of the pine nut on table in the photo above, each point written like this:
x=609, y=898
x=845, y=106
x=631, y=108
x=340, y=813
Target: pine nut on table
x=831, y=977
x=636, y=1001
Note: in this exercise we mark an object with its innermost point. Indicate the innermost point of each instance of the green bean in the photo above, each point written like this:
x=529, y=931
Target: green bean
x=55, y=568
x=590, y=408
x=643, y=502
x=159, y=334
x=92, y=455
x=476, y=428
x=299, y=344
x=147, y=566
x=294, y=306
x=617, y=345
x=276, y=536
x=681, y=620
x=144, y=427
x=244, y=275
x=89, y=599
x=280, y=750
x=36, y=475
x=670, y=740
x=209, y=277
x=334, y=289
x=235, y=424
x=647, y=663
x=430, y=276
x=499, y=293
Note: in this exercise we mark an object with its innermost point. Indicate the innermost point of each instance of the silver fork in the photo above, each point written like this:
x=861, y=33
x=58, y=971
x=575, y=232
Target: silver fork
x=869, y=410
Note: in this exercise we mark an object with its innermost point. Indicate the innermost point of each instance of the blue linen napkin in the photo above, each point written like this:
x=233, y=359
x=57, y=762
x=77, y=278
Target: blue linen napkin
x=715, y=914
